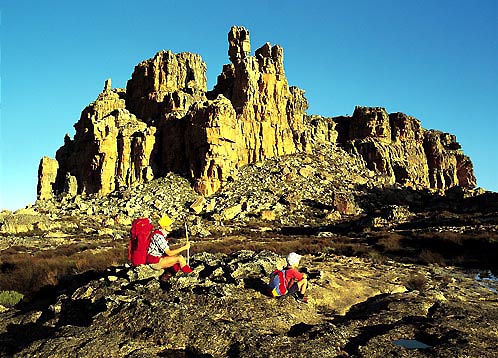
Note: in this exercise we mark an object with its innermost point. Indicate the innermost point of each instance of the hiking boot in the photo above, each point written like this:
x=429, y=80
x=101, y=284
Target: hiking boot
x=165, y=277
x=301, y=298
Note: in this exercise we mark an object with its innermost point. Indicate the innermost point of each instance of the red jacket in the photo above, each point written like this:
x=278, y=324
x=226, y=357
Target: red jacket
x=292, y=275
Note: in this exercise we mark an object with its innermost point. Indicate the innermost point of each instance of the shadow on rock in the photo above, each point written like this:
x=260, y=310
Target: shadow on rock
x=19, y=336
x=257, y=284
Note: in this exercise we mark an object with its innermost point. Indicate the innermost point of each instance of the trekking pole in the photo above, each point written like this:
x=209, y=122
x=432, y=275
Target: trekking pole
x=188, y=250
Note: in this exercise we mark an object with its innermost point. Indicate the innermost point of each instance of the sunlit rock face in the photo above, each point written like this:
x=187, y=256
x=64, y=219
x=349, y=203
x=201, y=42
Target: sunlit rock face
x=397, y=146
x=166, y=121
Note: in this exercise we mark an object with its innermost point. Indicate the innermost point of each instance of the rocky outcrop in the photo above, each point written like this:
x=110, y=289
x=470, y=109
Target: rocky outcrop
x=24, y=221
x=167, y=122
x=164, y=123
x=166, y=84
x=397, y=146
x=111, y=148
x=448, y=166
x=47, y=174
x=270, y=113
x=211, y=139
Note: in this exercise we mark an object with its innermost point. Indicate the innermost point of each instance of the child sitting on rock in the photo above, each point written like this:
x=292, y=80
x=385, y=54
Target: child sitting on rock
x=289, y=281
x=159, y=254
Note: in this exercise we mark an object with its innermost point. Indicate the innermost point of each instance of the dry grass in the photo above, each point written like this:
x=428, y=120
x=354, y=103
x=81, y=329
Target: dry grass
x=468, y=249
x=431, y=257
x=390, y=242
x=27, y=273
x=282, y=245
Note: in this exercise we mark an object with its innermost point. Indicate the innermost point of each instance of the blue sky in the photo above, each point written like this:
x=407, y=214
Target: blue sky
x=434, y=60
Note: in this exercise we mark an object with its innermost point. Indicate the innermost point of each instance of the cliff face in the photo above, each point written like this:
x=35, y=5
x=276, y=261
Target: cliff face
x=166, y=121
x=269, y=113
x=111, y=148
x=397, y=146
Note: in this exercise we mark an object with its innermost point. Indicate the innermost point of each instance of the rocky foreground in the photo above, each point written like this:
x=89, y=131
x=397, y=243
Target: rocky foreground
x=357, y=308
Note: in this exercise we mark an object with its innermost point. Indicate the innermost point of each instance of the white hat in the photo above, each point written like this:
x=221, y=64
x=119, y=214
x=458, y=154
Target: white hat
x=293, y=259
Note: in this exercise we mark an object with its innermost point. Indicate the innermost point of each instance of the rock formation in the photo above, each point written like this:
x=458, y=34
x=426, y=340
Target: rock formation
x=397, y=146
x=47, y=174
x=166, y=121
x=270, y=114
x=111, y=148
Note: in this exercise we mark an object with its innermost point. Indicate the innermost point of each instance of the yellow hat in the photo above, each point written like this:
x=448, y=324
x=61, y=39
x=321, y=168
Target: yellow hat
x=165, y=221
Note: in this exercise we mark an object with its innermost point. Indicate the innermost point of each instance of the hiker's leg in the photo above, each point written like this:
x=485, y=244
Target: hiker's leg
x=303, y=285
x=169, y=261
x=291, y=291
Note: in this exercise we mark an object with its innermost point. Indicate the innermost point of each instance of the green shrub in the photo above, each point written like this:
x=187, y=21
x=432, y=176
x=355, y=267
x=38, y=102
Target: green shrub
x=10, y=298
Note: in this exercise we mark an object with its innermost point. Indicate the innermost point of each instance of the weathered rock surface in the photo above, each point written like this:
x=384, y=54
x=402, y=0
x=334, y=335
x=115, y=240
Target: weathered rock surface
x=166, y=84
x=47, y=174
x=111, y=148
x=270, y=113
x=396, y=145
x=211, y=144
x=167, y=122
x=448, y=166
x=162, y=123
x=357, y=308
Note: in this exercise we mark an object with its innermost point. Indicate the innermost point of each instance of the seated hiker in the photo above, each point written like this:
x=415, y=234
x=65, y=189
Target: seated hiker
x=289, y=281
x=160, y=255
x=297, y=282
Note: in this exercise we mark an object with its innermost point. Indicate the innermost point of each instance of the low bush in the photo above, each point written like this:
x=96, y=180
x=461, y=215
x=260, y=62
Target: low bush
x=416, y=282
x=10, y=298
x=431, y=257
x=391, y=242
x=281, y=245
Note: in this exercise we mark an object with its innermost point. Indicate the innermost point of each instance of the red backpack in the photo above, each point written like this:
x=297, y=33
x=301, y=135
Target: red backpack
x=139, y=241
x=277, y=283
